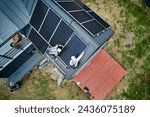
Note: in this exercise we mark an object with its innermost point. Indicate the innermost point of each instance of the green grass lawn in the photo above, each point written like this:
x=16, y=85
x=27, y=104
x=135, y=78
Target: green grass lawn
x=139, y=54
x=135, y=57
x=39, y=86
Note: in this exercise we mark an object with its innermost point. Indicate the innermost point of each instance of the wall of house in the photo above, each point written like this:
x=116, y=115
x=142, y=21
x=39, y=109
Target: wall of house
x=16, y=63
x=13, y=17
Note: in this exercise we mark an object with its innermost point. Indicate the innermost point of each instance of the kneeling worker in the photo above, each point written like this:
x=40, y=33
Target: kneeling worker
x=55, y=50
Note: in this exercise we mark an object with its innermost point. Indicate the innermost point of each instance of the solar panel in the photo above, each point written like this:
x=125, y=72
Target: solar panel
x=93, y=27
x=85, y=17
x=38, y=41
x=63, y=0
x=49, y=25
x=54, y=30
x=38, y=14
x=100, y=20
x=73, y=48
x=81, y=16
x=69, y=6
x=62, y=34
x=82, y=5
x=26, y=30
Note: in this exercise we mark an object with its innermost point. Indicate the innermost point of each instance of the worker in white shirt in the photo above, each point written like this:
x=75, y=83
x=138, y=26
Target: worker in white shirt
x=55, y=50
x=75, y=60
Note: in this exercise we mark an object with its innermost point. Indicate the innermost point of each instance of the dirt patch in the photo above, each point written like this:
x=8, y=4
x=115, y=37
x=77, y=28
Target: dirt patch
x=137, y=2
x=129, y=40
x=67, y=89
x=3, y=81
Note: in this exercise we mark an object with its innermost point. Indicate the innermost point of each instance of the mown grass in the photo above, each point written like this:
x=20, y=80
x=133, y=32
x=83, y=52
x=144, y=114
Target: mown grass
x=39, y=86
x=136, y=58
x=139, y=88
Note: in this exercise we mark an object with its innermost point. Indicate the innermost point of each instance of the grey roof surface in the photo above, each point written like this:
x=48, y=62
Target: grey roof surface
x=93, y=43
x=29, y=5
x=14, y=15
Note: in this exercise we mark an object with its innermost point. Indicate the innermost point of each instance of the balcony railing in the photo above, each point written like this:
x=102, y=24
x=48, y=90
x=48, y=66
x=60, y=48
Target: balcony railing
x=11, y=54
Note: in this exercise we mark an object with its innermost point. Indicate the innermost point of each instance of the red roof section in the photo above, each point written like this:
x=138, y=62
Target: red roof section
x=100, y=76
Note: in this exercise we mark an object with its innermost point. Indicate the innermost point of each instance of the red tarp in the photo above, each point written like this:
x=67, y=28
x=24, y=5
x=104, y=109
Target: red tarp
x=100, y=76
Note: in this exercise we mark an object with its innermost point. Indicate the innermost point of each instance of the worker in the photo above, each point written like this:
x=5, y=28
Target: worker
x=75, y=60
x=13, y=87
x=15, y=40
x=55, y=50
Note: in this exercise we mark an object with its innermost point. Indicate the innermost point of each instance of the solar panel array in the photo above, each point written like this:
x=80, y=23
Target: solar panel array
x=38, y=41
x=49, y=29
x=73, y=48
x=38, y=15
x=62, y=34
x=83, y=15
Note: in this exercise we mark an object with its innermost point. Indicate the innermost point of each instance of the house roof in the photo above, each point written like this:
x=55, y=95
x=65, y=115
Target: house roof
x=100, y=76
x=52, y=24
x=13, y=17
x=29, y=5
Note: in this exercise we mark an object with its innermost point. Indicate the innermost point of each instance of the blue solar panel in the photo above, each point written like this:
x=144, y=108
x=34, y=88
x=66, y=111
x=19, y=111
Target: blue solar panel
x=70, y=6
x=38, y=41
x=82, y=5
x=55, y=30
x=63, y=0
x=49, y=25
x=73, y=48
x=84, y=16
x=62, y=34
x=100, y=20
x=81, y=16
x=93, y=26
x=38, y=14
